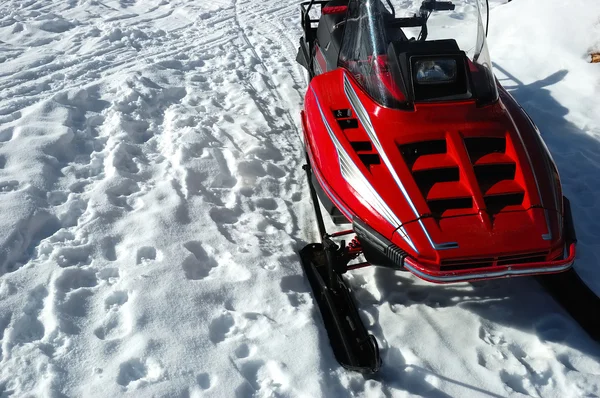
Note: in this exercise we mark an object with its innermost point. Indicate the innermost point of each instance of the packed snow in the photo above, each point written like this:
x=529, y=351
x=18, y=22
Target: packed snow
x=152, y=205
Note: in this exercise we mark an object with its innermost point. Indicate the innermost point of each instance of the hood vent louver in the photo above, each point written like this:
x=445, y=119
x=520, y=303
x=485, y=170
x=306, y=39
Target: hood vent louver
x=437, y=175
x=495, y=172
x=489, y=175
x=481, y=146
x=411, y=152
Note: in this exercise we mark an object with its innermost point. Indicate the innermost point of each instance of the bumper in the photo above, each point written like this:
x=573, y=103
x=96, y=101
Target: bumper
x=379, y=250
x=505, y=271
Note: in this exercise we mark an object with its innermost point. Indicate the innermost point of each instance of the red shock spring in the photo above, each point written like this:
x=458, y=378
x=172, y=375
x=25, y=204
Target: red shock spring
x=354, y=247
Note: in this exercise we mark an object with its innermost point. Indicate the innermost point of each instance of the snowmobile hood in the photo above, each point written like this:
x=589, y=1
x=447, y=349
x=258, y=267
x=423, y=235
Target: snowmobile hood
x=443, y=175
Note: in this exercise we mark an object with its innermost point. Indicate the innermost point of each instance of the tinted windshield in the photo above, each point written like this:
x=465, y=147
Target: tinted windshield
x=364, y=50
x=371, y=26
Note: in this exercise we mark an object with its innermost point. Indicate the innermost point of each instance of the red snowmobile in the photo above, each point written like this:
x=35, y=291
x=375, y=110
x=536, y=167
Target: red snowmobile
x=438, y=169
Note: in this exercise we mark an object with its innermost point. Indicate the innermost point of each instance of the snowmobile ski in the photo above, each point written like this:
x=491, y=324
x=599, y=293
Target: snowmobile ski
x=353, y=347
x=576, y=298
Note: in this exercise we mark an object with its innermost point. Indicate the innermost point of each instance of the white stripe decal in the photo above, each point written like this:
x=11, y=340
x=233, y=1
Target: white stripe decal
x=365, y=120
x=360, y=184
x=324, y=185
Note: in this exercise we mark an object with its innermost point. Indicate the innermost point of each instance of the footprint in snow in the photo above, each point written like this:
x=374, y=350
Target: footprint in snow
x=145, y=255
x=271, y=378
x=117, y=323
x=57, y=198
x=266, y=203
x=76, y=304
x=121, y=190
x=223, y=215
x=125, y=158
x=108, y=248
x=275, y=171
x=136, y=372
x=116, y=299
x=490, y=337
x=109, y=275
x=244, y=351
x=296, y=289
x=198, y=264
x=220, y=327
x=28, y=327
x=55, y=25
x=75, y=278
x=204, y=381
x=6, y=134
x=514, y=382
x=481, y=358
x=73, y=256
x=9, y=186
x=115, y=326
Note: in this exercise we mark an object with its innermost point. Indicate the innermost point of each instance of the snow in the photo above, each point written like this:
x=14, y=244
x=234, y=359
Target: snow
x=153, y=204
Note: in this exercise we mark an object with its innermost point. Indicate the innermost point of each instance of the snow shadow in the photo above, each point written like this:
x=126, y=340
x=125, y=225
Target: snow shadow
x=516, y=303
x=576, y=152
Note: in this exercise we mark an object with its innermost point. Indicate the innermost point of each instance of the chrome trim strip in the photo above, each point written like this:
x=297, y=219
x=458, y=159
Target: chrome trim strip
x=365, y=120
x=360, y=184
x=547, y=236
x=486, y=275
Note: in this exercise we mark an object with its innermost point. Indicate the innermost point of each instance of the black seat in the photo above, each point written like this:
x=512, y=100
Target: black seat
x=331, y=31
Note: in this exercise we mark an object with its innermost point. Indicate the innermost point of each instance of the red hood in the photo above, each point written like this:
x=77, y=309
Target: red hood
x=454, y=174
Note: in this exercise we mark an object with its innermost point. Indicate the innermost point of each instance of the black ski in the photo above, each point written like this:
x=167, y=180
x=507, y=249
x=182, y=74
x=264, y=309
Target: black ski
x=570, y=291
x=576, y=298
x=353, y=347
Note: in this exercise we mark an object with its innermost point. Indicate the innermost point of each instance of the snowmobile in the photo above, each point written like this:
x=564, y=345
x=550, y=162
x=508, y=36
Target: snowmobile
x=439, y=171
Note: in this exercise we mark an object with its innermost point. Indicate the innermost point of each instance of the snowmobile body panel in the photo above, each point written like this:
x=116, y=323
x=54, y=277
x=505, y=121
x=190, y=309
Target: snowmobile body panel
x=455, y=185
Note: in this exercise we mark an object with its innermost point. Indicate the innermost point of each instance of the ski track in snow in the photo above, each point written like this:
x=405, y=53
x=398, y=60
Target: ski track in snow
x=153, y=202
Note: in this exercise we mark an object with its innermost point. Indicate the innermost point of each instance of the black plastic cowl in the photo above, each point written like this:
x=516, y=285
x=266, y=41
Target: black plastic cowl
x=378, y=250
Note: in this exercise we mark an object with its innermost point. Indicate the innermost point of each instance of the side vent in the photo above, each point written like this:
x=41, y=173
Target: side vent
x=437, y=175
x=364, y=150
x=369, y=159
x=495, y=172
x=348, y=123
x=345, y=119
x=362, y=146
